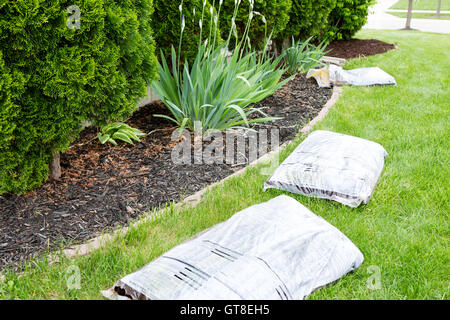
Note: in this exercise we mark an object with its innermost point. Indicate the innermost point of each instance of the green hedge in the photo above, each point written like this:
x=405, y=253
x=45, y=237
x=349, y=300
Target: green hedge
x=307, y=18
x=53, y=77
x=166, y=23
x=347, y=18
x=276, y=13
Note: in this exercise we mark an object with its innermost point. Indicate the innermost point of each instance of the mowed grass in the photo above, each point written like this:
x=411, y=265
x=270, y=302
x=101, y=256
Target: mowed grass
x=422, y=5
x=403, y=232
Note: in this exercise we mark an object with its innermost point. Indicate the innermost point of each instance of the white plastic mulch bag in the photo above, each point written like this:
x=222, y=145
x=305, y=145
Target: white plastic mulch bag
x=331, y=166
x=274, y=250
x=335, y=75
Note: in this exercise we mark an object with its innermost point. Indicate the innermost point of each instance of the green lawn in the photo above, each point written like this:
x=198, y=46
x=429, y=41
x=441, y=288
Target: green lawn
x=421, y=15
x=404, y=230
x=422, y=5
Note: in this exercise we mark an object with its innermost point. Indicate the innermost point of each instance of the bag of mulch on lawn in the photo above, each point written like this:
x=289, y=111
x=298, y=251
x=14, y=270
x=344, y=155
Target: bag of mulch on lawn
x=335, y=75
x=275, y=250
x=331, y=166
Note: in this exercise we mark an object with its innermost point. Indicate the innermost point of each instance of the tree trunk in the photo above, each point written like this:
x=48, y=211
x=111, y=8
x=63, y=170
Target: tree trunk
x=438, y=11
x=408, y=18
x=55, y=167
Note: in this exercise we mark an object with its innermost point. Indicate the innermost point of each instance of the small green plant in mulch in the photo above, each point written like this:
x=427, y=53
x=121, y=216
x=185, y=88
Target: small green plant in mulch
x=119, y=131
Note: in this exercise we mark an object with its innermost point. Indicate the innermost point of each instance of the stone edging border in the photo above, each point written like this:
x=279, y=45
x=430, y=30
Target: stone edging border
x=193, y=200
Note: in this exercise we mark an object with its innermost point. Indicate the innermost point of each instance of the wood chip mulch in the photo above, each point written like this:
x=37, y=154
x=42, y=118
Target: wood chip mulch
x=103, y=186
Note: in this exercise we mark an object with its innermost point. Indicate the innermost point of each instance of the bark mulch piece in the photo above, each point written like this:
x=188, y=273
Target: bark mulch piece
x=103, y=186
x=355, y=48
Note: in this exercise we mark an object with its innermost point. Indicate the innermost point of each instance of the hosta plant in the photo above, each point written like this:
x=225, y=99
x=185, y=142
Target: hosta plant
x=119, y=131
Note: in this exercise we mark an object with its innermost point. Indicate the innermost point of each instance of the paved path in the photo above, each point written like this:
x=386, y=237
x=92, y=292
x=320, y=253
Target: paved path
x=379, y=19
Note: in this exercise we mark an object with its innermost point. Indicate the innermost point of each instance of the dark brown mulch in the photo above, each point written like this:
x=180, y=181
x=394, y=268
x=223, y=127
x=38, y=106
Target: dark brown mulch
x=355, y=48
x=104, y=186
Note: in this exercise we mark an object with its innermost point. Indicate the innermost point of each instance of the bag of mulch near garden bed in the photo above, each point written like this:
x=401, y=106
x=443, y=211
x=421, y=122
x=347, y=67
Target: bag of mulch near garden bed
x=332, y=166
x=335, y=75
x=274, y=250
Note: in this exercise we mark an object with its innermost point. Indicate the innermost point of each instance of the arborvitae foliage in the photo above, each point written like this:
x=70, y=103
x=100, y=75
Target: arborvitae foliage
x=347, y=18
x=52, y=77
x=307, y=18
x=275, y=12
x=166, y=25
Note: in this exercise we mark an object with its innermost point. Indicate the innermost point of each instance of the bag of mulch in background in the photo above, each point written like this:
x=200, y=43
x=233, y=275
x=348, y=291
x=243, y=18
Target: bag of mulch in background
x=331, y=166
x=274, y=250
x=335, y=75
